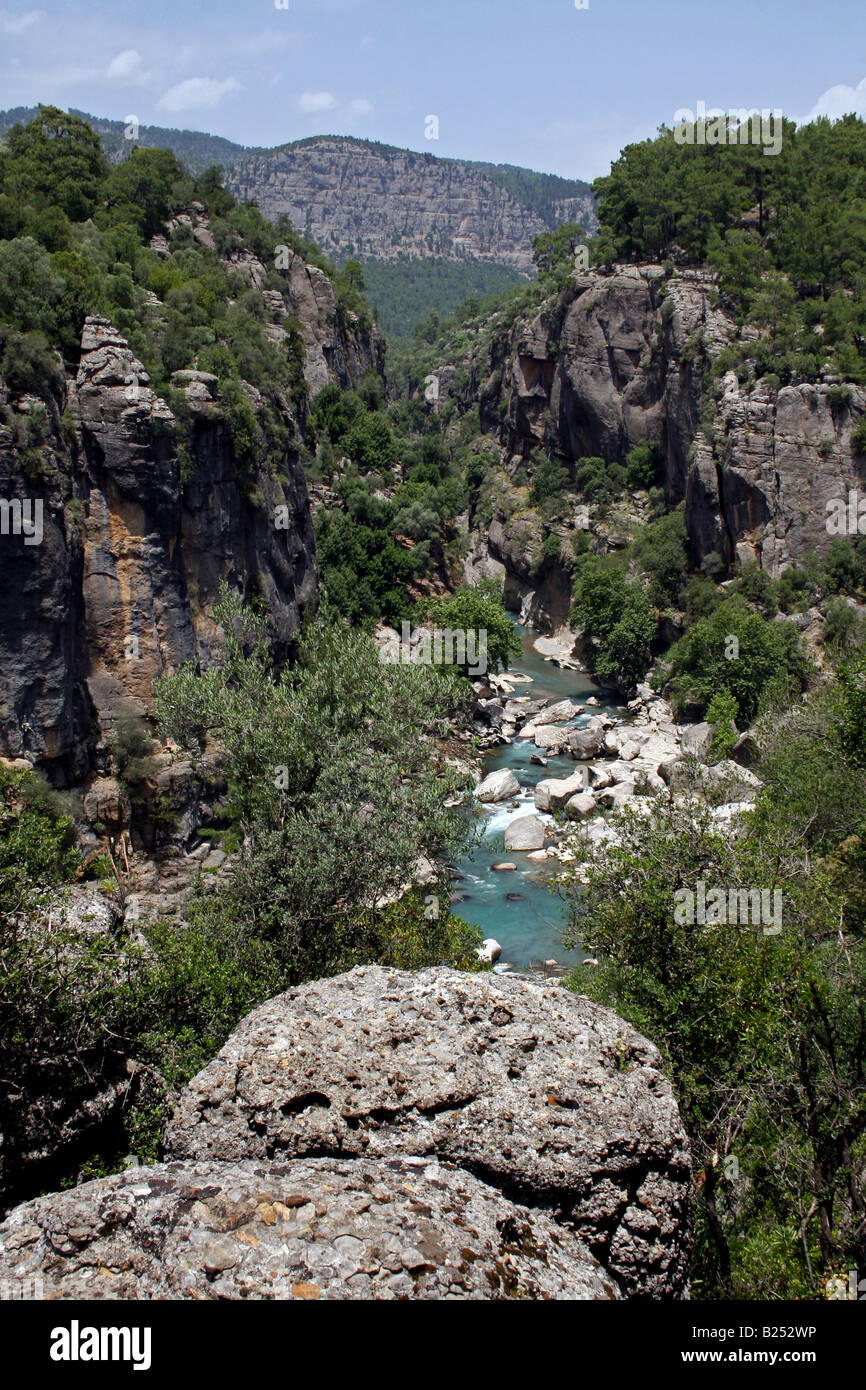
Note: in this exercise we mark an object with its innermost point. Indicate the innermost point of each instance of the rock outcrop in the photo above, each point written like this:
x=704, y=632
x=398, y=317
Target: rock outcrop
x=545, y=1096
x=623, y=356
x=374, y=200
x=398, y=1228
x=137, y=536
x=780, y=457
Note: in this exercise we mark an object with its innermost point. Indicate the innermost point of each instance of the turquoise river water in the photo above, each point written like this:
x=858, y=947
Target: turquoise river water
x=518, y=909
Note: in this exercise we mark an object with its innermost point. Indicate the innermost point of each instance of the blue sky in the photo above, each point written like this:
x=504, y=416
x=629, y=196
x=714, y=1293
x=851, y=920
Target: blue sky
x=532, y=82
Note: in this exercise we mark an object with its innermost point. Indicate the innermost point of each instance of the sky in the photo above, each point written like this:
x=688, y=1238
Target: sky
x=539, y=83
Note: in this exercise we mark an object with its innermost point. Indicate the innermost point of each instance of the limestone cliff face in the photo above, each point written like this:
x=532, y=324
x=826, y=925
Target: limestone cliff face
x=779, y=458
x=135, y=545
x=625, y=356
x=44, y=702
x=375, y=201
x=334, y=349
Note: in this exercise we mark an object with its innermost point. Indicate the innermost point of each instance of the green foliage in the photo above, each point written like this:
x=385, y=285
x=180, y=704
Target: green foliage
x=851, y=708
x=739, y=650
x=643, y=465
x=796, y=273
x=370, y=443
x=550, y=478
x=140, y=190
x=554, y=252
x=761, y=1034
x=617, y=621
x=479, y=609
x=29, y=289
x=661, y=550
x=722, y=714
x=330, y=770
x=54, y=161
x=364, y=571
x=405, y=292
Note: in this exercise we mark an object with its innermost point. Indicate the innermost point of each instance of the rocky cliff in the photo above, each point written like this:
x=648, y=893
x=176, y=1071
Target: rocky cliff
x=628, y=355
x=144, y=513
x=135, y=545
x=389, y=1135
x=353, y=197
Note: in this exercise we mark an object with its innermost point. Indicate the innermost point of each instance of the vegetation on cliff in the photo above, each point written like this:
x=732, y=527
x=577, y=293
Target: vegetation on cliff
x=787, y=236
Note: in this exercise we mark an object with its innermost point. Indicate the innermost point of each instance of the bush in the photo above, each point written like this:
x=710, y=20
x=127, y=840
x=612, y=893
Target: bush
x=722, y=714
x=479, y=608
x=617, y=621
x=737, y=650
x=549, y=480
x=643, y=465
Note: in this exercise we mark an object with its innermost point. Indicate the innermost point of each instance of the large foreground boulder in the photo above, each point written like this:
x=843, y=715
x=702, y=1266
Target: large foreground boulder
x=323, y=1228
x=545, y=1095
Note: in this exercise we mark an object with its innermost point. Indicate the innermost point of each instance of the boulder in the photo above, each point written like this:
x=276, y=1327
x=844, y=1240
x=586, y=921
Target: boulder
x=614, y=798
x=528, y=833
x=329, y=1228
x=599, y=777
x=489, y=952
x=746, y=750
x=552, y=1097
x=498, y=786
x=586, y=743
x=107, y=803
x=697, y=739
x=554, y=792
x=551, y=737
x=579, y=807
x=561, y=713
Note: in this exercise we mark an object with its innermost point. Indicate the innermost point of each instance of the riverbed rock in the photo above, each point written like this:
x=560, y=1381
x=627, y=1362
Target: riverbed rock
x=588, y=743
x=489, y=952
x=553, y=793
x=553, y=1098
x=581, y=806
x=498, y=786
x=697, y=740
x=551, y=737
x=527, y=833
x=615, y=797
x=561, y=713
x=326, y=1228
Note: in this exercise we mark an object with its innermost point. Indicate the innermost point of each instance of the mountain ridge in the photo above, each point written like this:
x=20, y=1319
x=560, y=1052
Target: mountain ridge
x=393, y=202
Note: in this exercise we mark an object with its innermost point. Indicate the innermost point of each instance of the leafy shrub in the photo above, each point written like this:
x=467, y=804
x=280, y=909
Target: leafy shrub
x=735, y=649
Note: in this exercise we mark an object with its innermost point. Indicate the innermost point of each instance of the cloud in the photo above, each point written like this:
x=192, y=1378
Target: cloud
x=360, y=107
x=126, y=64
x=197, y=93
x=317, y=101
x=839, y=101
x=17, y=23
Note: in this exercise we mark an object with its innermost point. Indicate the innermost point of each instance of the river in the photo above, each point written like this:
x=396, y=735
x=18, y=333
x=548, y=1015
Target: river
x=518, y=909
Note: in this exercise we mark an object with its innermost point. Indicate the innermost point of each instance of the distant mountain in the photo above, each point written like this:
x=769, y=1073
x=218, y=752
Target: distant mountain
x=360, y=198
